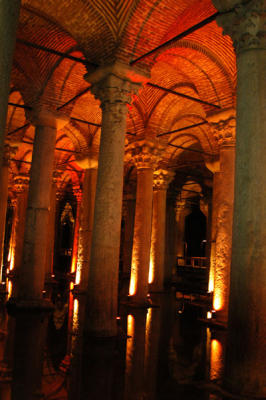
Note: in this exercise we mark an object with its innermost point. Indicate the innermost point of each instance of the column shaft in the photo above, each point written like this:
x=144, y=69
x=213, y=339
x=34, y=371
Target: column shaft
x=9, y=14
x=85, y=230
x=103, y=277
x=3, y=210
x=32, y=271
x=224, y=225
x=246, y=362
x=157, y=277
x=142, y=236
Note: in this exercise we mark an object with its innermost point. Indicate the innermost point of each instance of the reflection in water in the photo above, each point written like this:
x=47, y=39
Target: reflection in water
x=159, y=354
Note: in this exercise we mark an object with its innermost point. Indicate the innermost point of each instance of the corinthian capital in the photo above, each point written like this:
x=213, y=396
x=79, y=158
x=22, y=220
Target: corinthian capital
x=223, y=125
x=162, y=178
x=21, y=182
x=115, y=84
x=145, y=153
x=245, y=24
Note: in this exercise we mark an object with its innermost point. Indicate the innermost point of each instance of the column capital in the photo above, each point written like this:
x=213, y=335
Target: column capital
x=245, y=23
x=42, y=116
x=114, y=84
x=145, y=153
x=223, y=125
x=21, y=182
x=162, y=178
x=212, y=162
x=88, y=159
x=57, y=177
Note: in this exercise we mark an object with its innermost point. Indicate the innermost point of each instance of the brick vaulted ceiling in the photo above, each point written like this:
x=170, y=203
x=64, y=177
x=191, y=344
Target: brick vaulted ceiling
x=200, y=65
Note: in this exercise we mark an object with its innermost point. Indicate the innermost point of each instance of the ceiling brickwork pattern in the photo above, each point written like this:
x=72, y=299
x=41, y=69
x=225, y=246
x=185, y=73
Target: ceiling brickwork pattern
x=200, y=66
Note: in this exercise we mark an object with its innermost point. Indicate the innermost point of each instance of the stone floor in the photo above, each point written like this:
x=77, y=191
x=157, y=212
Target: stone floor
x=162, y=353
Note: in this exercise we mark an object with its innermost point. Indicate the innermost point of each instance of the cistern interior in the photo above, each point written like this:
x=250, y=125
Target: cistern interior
x=132, y=207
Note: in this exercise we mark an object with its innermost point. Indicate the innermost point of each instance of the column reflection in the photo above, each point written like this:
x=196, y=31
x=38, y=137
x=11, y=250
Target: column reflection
x=29, y=341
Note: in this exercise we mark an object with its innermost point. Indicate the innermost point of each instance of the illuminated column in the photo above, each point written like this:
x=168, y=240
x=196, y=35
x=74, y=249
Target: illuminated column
x=171, y=239
x=9, y=14
x=181, y=212
x=51, y=235
x=130, y=203
x=145, y=155
x=86, y=224
x=245, y=360
x=113, y=87
x=3, y=202
x=214, y=167
x=223, y=125
x=78, y=194
x=21, y=184
x=32, y=270
x=161, y=180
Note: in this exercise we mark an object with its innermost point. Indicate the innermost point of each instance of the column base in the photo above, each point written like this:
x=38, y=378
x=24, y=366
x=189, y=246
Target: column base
x=78, y=291
x=15, y=305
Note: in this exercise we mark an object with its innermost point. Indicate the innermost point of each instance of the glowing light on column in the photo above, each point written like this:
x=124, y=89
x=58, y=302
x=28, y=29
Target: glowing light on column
x=133, y=279
x=211, y=281
x=9, y=289
x=217, y=301
x=151, y=270
x=78, y=274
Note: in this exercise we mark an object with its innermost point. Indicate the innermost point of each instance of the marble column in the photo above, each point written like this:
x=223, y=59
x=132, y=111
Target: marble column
x=49, y=272
x=3, y=202
x=171, y=240
x=144, y=154
x=214, y=166
x=245, y=371
x=130, y=203
x=86, y=223
x=113, y=86
x=223, y=125
x=161, y=180
x=21, y=184
x=182, y=210
x=32, y=271
x=78, y=194
x=9, y=14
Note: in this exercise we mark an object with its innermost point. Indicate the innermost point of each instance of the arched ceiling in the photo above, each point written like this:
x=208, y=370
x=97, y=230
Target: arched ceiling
x=201, y=65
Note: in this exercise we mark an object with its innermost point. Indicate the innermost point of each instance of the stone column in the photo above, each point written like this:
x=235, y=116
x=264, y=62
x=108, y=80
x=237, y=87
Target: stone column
x=130, y=203
x=245, y=361
x=9, y=14
x=49, y=272
x=214, y=166
x=3, y=202
x=112, y=85
x=32, y=270
x=21, y=184
x=145, y=155
x=182, y=210
x=161, y=180
x=86, y=224
x=171, y=240
x=223, y=125
x=78, y=194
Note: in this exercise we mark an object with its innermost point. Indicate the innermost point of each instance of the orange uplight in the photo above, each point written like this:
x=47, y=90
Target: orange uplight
x=217, y=302
x=78, y=274
x=71, y=285
x=9, y=289
x=151, y=270
x=133, y=280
